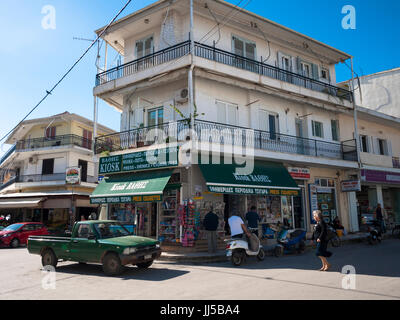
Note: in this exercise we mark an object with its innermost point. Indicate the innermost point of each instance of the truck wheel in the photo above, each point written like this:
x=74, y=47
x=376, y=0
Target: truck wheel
x=49, y=258
x=145, y=265
x=14, y=243
x=112, y=265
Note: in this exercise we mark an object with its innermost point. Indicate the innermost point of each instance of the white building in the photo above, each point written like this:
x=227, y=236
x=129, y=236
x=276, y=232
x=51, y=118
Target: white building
x=33, y=172
x=249, y=73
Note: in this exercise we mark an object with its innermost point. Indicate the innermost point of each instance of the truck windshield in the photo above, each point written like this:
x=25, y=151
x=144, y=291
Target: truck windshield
x=110, y=230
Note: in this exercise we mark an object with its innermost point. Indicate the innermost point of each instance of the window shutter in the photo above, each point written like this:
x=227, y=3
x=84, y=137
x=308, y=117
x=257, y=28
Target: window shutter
x=280, y=64
x=232, y=114
x=139, y=49
x=221, y=112
x=250, y=51
x=169, y=113
x=298, y=65
x=369, y=144
x=124, y=119
x=315, y=71
x=294, y=65
x=375, y=145
x=263, y=120
x=138, y=116
x=389, y=148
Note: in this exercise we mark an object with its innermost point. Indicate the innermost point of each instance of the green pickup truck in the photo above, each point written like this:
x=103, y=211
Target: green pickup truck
x=105, y=242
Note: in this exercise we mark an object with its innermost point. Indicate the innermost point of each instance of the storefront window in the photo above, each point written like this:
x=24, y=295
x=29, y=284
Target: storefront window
x=323, y=198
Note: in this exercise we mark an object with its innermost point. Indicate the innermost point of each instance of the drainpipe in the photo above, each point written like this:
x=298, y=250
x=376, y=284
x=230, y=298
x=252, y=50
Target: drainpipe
x=191, y=95
x=355, y=117
x=355, y=227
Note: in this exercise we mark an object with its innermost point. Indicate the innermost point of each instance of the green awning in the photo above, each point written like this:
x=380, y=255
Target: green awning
x=267, y=178
x=130, y=188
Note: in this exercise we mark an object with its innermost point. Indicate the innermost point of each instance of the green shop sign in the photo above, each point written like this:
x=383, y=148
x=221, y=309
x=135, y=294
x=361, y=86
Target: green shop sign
x=144, y=160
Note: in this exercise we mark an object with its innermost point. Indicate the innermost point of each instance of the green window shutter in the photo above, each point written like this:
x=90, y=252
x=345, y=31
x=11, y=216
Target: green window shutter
x=315, y=71
x=298, y=62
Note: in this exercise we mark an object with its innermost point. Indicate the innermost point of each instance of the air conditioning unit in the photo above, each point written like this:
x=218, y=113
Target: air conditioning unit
x=33, y=160
x=182, y=96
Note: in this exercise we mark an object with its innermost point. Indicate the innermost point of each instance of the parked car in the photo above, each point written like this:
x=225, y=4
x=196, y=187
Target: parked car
x=16, y=234
x=105, y=242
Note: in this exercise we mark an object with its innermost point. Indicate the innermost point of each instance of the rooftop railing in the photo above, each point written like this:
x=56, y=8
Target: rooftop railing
x=224, y=57
x=55, y=141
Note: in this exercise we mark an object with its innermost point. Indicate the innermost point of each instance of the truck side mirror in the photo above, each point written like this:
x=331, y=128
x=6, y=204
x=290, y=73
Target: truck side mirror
x=92, y=237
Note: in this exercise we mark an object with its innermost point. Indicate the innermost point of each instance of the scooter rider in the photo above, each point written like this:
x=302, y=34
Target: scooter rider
x=237, y=227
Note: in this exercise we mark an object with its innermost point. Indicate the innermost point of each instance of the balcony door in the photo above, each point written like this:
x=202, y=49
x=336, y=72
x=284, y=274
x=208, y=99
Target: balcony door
x=155, y=120
x=300, y=136
x=246, y=49
x=87, y=139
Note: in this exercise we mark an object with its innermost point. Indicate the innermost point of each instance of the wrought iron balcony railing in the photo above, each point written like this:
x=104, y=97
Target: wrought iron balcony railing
x=49, y=177
x=56, y=141
x=206, y=131
x=224, y=57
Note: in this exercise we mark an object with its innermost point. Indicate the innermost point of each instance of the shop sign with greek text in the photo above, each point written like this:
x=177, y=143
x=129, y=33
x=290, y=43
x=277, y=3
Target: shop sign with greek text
x=138, y=161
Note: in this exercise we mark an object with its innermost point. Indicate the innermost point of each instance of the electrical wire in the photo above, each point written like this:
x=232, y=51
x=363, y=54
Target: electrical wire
x=226, y=19
x=219, y=29
x=163, y=25
x=268, y=43
x=48, y=93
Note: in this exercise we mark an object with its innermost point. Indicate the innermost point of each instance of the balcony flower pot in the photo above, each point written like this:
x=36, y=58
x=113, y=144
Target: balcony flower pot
x=140, y=144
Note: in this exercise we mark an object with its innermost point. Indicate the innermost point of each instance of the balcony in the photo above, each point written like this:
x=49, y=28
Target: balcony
x=57, y=141
x=396, y=162
x=48, y=178
x=223, y=57
x=218, y=133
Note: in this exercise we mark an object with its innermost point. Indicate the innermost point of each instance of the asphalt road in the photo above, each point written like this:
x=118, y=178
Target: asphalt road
x=290, y=277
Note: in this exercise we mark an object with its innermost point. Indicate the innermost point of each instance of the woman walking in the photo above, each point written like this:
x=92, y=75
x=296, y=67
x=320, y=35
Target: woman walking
x=319, y=235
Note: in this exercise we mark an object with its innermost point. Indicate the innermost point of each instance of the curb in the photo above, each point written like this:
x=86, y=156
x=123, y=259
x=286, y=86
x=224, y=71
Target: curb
x=269, y=251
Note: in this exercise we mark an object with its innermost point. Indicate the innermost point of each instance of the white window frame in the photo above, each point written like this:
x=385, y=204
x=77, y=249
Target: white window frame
x=226, y=104
x=144, y=48
x=366, y=143
x=148, y=111
x=385, y=150
x=327, y=74
x=310, y=70
x=313, y=131
x=270, y=113
x=244, y=40
x=337, y=130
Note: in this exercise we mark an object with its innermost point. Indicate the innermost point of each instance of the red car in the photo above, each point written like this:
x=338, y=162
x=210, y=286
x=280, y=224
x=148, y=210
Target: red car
x=18, y=233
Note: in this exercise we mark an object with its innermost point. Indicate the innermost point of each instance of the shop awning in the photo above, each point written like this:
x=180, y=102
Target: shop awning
x=21, y=203
x=130, y=188
x=267, y=178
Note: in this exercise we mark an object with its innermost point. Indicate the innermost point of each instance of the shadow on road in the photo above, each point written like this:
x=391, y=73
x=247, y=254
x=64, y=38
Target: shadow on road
x=382, y=260
x=130, y=272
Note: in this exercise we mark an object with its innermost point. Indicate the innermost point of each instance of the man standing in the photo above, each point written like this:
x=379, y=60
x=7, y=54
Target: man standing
x=211, y=225
x=253, y=218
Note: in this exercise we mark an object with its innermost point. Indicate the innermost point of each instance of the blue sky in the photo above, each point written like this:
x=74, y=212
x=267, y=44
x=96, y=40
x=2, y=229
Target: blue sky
x=33, y=59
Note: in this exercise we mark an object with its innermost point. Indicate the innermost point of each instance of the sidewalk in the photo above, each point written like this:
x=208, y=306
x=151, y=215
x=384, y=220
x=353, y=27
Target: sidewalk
x=220, y=256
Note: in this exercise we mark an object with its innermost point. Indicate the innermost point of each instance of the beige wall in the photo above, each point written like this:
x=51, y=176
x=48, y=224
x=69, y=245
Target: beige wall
x=376, y=128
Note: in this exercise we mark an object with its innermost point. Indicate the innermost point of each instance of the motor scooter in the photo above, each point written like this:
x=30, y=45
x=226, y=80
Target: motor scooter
x=238, y=250
x=375, y=232
x=290, y=241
